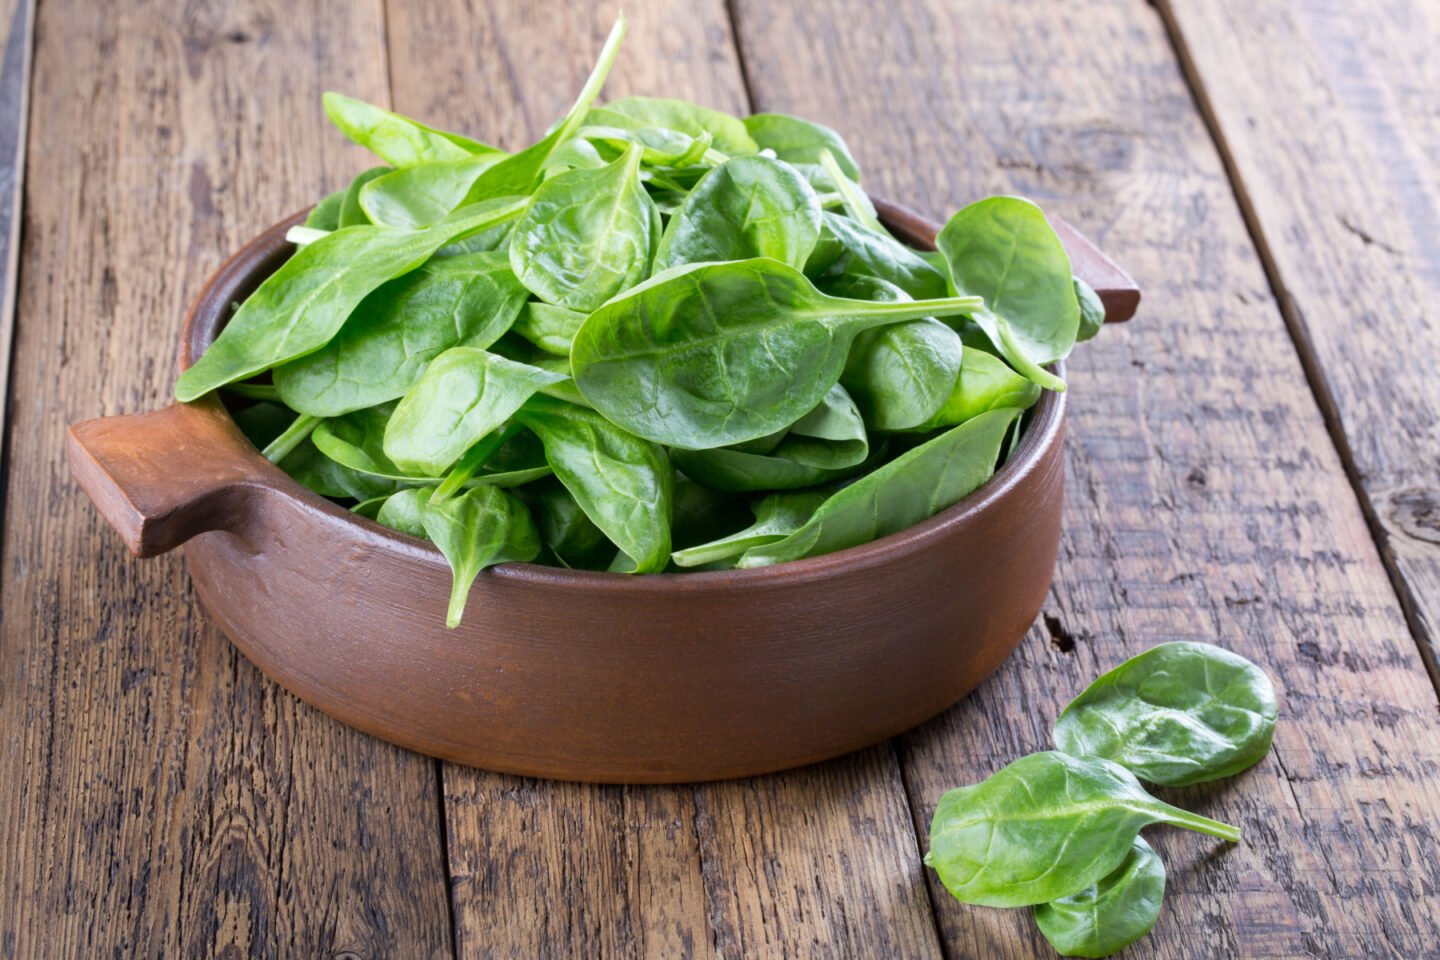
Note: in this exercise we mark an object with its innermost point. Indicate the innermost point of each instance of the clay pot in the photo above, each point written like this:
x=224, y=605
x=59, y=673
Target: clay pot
x=579, y=675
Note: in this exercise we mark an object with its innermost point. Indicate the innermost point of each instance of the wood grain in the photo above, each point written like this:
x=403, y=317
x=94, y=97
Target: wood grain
x=1207, y=500
x=160, y=797
x=1336, y=171
x=16, y=35
x=819, y=862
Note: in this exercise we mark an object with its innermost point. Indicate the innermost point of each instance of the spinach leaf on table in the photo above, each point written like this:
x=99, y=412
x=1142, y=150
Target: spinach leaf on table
x=707, y=355
x=586, y=235
x=1110, y=915
x=479, y=528
x=1005, y=251
x=1044, y=827
x=399, y=141
x=1179, y=713
x=393, y=334
x=913, y=487
x=622, y=482
x=463, y=395
x=777, y=516
x=746, y=207
x=301, y=306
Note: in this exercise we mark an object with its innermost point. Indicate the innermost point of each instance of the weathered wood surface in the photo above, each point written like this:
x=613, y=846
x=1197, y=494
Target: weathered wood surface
x=1206, y=501
x=819, y=862
x=158, y=797
x=16, y=30
x=1336, y=166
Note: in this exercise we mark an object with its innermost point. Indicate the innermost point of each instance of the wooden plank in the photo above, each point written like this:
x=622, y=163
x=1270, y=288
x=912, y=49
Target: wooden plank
x=1206, y=501
x=820, y=862
x=16, y=29
x=1337, y=175
x=162, y=798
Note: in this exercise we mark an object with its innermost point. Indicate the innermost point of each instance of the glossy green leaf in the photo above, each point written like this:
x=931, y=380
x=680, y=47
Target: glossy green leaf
x=913, y=487
x=548, y=327
x=301, y=306
x=1178, y=713
x=402, y=511
x=351, y=213
x=399, y=141
x=415, y=197
x=566, y=530
x=463, y=395
x=1004, y=250
x=462, y=301
x=479, y=528
x=623, y=483
x=727, y=132
x=799, y=141
x=1044, y=827
x=1092, y=310
x=1109, y=916
x=707, y=355
x=777, y=516
x=587, y=235
x=325, y=215
x=746, y=207
x=985, y=383
x=660, y=147
x=317, y=472
x=880, y=255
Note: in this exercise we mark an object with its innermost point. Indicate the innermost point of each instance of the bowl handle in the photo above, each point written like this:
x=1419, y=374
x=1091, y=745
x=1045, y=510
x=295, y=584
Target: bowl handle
x=160, y=478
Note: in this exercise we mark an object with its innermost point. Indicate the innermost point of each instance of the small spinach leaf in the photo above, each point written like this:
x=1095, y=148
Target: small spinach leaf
x=351, y=213
x=799, y=141
x=881, y=256
x=777, y=516
x=565, y=529
x=1044, y=827
x=985, y=383
x=1092, y=311
x=399, y=141
x=1179, y=713
x=727, y=132
x=1109, y=916
x=477, y=529
x=325, y=215
x=413, y=197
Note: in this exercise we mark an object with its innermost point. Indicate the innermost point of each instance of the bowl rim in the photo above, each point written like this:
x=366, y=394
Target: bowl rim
x=243, y=270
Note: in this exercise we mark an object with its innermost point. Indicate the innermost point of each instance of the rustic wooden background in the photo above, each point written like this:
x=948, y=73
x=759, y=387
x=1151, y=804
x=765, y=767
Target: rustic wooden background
x=1254, y=461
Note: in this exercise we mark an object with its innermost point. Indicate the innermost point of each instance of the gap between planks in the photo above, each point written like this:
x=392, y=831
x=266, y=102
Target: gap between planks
x=1310, y=361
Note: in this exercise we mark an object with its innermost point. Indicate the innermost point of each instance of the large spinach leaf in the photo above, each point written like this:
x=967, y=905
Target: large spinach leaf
x=1044, y=827
x=1178, y=713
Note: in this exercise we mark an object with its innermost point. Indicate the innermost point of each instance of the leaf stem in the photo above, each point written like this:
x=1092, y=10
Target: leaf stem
x=295, y=434
x=253, y=391
x=850, y=195
x=469, y=465
x=907, y=309
x=1026, y=367
x=300, y=235
x=1193, y=821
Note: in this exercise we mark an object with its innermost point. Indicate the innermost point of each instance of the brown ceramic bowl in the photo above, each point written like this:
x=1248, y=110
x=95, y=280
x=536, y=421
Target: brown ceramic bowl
x=578, y=675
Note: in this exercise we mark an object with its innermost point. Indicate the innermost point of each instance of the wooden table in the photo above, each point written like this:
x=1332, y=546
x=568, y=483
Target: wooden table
x=1254, y=461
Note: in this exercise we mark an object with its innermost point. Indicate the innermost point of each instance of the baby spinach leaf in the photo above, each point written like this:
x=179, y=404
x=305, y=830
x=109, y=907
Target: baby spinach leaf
x=317, y=472
x=351, y=214
x=1177, y=714
x=746, y=207
x=565, y=529
x=325, y=215
x=414, y=197
x=985, y=383
x=1109, y=916
x=727, y=132
x=1092, y=311
x=799, y=141
x=623, y=483
x=1044, y=827
x=1005, y=251
x=660, y=147
x=707, y=355
x=699, y=514
x=461, y=301
x=401, y=511
x=881, y=256
x=477, y=529
x=463, y=395
x=301, y=306
x=587, y=235
x=913, y=487
x=548, y=327
x=399, y=141
x=777, y=516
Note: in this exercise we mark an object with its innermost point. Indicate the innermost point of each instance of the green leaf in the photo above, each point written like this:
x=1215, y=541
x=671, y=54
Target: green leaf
x=548, y=327
x=317, y=472
x=746, y=207
x=414, y=197
x=1177, y=714
x=913, y=487
x=1092, y=310
x=586, y=235
x=399, y=141
x=351, y=213
x=727, y=132
x=707, y=355
x=777, y=516
x=880, y=255
x=1004, y=250
x=623, y=483
x=1109, y=916
x=1044, y=827
x=477, y=529
x=402, y=511
x=799, y=141
x=566, y=530
x=301, y=306
x=463, y=395
x=462, y=301
x=985, y=383
x=325, y=215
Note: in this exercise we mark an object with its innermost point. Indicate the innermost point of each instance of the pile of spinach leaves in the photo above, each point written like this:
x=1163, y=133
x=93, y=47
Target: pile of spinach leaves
x=605, y=350
x=1059, y=831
